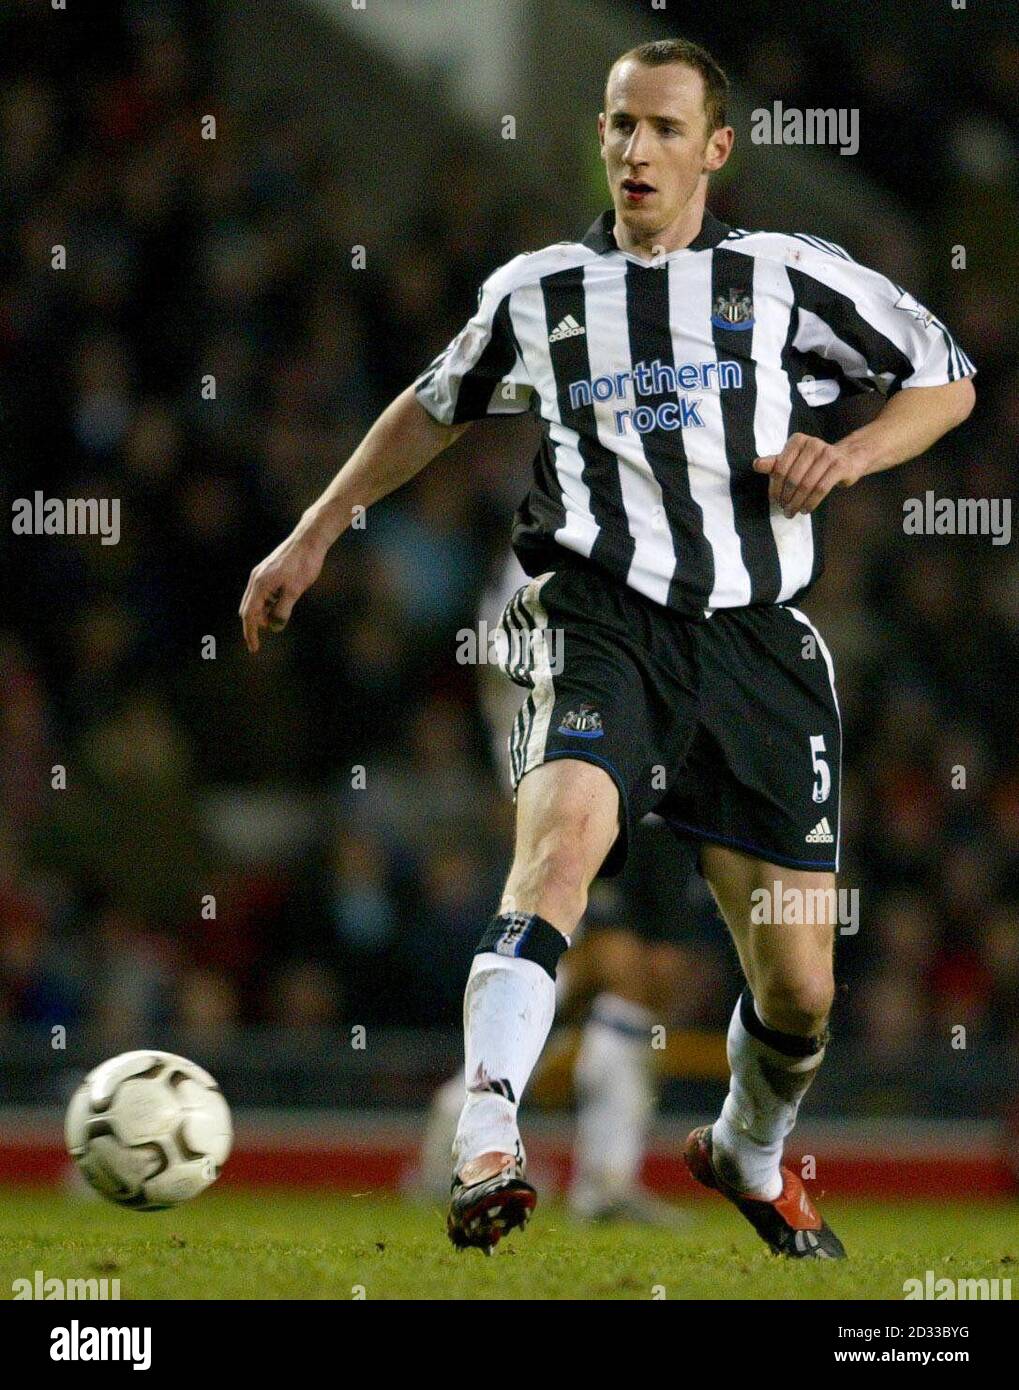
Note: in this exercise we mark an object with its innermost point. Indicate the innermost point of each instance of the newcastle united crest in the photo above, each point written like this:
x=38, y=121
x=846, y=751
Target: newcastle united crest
x=582, y=723
x=733, y=310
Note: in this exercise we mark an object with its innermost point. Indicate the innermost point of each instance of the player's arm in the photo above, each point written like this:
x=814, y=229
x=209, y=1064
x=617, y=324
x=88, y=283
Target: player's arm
x=401, y=442
x=872, y=331
x=806, y=470
x=480, y=373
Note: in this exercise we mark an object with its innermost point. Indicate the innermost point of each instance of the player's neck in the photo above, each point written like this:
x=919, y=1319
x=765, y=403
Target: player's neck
x=677, y=235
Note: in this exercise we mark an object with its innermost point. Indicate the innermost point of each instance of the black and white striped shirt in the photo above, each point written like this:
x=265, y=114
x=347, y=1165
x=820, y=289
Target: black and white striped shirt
x=658, y=384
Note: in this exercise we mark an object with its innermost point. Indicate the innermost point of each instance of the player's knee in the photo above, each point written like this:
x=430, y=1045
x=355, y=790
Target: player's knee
x=799, y=1003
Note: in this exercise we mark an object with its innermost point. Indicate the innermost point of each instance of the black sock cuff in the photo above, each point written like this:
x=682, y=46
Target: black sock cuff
x=788, y=1043
x=526, y=936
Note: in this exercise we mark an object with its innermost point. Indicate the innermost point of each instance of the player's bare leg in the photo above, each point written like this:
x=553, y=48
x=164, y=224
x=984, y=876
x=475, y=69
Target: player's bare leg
x=567, y=820
x=776, y=1043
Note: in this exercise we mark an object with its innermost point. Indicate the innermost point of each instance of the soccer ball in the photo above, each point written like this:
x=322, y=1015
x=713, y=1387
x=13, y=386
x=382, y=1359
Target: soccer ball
x=149, y=1130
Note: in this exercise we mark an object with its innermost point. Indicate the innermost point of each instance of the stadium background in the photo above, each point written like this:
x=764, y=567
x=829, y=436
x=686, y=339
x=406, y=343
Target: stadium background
x=338, y=907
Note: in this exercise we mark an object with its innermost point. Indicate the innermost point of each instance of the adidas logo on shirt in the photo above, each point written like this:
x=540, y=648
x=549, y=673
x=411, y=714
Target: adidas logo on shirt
x=568, y=328
x=821, y=833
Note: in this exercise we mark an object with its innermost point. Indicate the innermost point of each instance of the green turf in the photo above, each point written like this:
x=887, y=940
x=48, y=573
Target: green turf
x=232, y=1244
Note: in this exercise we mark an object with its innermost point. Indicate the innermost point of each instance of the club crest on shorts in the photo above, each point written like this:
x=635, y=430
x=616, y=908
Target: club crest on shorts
x=582, y=723
x=733, y=310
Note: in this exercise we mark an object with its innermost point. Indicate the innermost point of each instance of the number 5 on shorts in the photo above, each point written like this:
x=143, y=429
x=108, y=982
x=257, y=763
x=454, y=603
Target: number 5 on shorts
x=822, y=787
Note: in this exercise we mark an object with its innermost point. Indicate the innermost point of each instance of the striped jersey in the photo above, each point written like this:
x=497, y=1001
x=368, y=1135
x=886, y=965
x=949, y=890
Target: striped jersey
x=658, y=383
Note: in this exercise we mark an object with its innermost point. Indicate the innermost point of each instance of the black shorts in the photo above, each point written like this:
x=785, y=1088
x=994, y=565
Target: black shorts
x=727, y=727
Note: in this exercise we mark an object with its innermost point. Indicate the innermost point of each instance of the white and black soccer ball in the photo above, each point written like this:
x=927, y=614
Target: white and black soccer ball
x=149, y=1130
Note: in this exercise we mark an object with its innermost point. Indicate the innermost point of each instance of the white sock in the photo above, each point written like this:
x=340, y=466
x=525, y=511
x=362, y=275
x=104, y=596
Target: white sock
x=509, y=1005
x=765, y=1091
x=616, y=1096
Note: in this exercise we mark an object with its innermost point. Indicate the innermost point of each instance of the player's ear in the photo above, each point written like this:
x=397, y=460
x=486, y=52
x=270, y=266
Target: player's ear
x=601, y=129
x=718, y=148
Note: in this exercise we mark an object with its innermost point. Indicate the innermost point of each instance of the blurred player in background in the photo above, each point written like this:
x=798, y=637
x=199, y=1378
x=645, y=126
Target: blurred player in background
x=681, y=369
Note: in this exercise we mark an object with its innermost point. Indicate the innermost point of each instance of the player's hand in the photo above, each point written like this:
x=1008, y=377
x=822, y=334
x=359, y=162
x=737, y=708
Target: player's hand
x=275, y=585
x=806, y=470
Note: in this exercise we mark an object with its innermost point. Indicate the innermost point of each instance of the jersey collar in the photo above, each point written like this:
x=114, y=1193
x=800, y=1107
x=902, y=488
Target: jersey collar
x=600, y=238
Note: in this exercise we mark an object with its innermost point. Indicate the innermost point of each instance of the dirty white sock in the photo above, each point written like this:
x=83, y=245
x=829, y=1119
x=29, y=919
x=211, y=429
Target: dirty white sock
x=771, y=1073
x=509, y=1005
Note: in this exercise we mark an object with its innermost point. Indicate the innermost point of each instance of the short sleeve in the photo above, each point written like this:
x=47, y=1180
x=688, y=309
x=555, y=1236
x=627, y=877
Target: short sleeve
x=481, y=372
x=873, y=329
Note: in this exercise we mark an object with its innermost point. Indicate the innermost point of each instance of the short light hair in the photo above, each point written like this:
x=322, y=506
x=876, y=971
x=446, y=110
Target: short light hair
x=664, y=51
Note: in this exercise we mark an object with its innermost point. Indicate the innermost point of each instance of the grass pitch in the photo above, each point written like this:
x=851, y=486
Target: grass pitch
x=269, y=1245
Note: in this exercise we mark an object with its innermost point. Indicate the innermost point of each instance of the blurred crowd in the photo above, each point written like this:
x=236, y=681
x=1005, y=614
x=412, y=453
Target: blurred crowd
x=316, y=836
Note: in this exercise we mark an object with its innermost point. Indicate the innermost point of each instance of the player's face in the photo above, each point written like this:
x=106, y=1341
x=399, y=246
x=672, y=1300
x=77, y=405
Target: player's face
x=656, y=145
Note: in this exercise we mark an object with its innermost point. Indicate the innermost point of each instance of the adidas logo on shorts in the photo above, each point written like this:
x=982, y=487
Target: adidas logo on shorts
x=568, y=328
x=821, y=833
